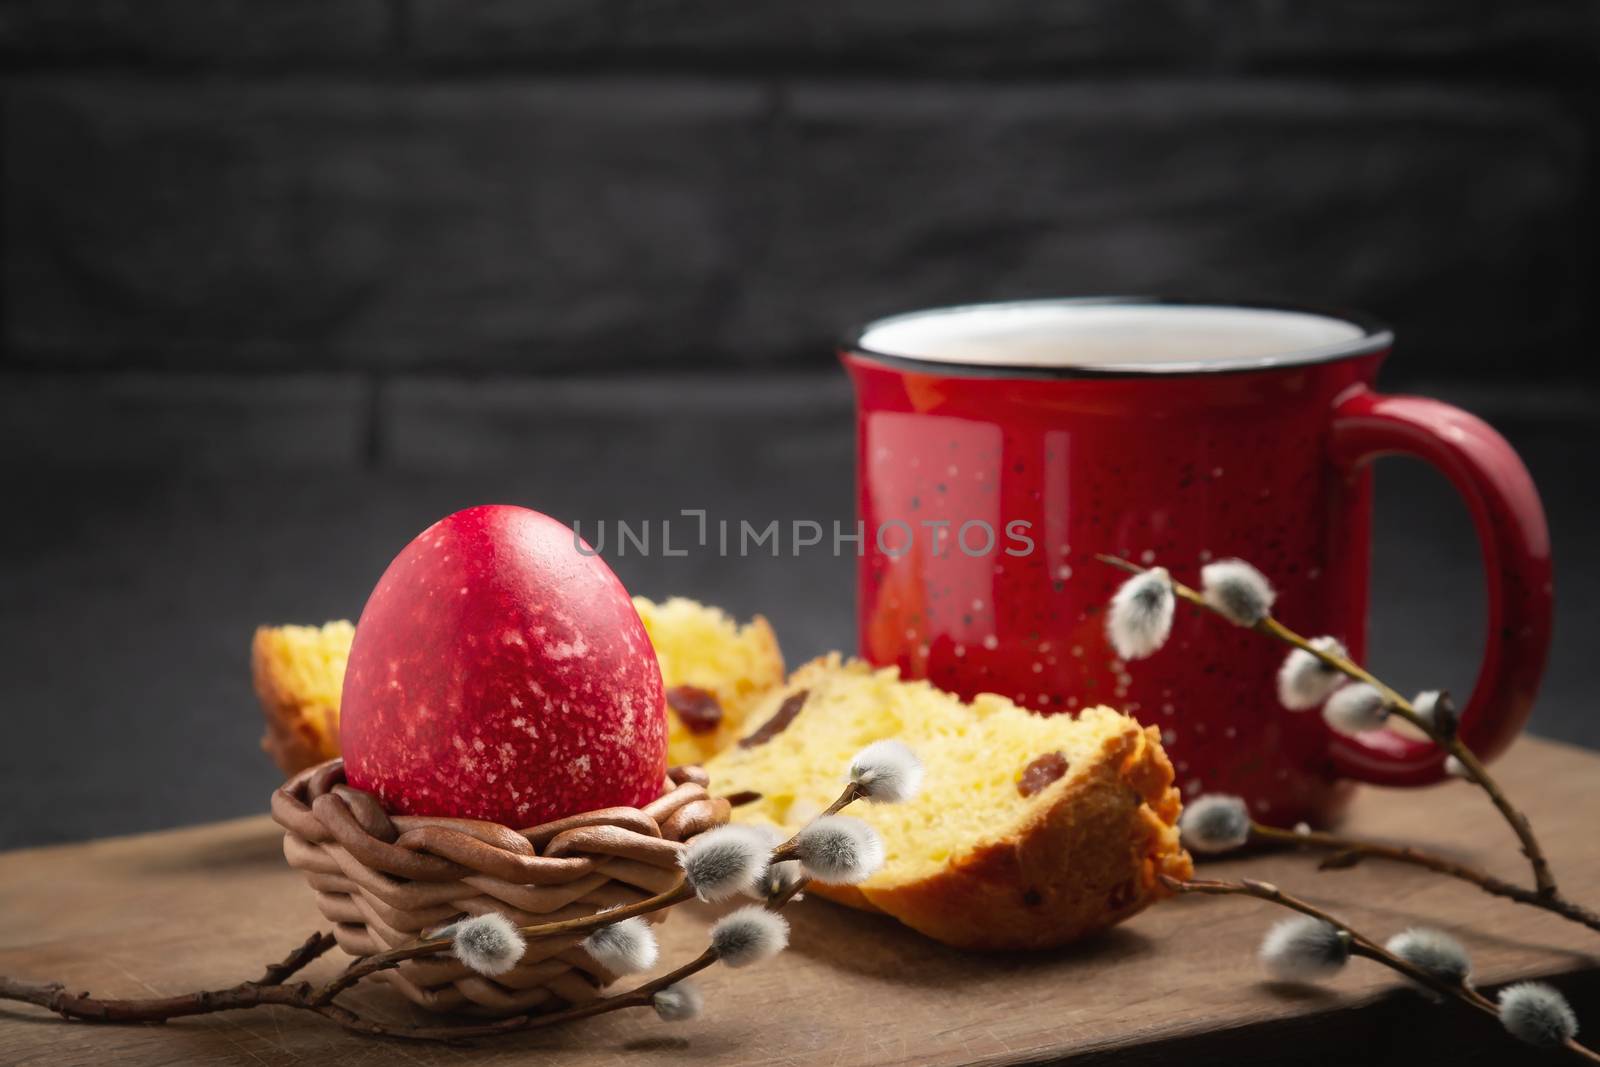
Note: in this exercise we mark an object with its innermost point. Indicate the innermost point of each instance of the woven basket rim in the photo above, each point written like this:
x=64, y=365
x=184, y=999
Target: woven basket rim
x=386, y=879
x=318, y=805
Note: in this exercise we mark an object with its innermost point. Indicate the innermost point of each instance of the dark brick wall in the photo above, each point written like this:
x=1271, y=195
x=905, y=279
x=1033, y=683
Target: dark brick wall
x=274, y=195
x=283, y=281
x=943, y=37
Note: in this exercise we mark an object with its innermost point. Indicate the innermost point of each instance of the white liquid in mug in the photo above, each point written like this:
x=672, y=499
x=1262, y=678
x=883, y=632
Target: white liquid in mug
x=1111, y=336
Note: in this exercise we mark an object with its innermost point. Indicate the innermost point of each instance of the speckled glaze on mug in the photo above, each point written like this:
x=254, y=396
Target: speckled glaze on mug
x=1174, y=459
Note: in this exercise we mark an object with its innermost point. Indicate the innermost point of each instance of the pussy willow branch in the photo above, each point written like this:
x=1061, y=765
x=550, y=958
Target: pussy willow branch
x=1360, y=944
x=584, y=925
x=272, y=989
x=1543, y=878
x=1397, y=704
x=640, y=996
x=384, y=961
x=1355, y=848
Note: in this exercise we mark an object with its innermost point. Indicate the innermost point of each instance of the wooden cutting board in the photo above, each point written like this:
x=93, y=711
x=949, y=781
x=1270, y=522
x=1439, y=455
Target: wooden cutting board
x=209, y=906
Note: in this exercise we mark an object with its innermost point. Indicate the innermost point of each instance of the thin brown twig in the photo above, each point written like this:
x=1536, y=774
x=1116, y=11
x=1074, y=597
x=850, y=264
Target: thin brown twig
x=1360, y=945
x=851, y=794
x=55, y=997
x=639, y=997
x=298, y=960
x=1356, y=849
x=1397, y=704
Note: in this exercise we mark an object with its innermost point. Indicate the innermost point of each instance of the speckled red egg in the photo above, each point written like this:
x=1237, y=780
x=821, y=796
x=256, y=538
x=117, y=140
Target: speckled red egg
x=500, y=672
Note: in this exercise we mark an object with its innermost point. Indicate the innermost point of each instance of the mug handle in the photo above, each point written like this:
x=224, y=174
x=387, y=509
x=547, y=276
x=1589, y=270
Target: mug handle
x=1515, y=540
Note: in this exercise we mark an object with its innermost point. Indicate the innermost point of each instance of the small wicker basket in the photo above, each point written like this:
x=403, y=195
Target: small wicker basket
x=385, y=879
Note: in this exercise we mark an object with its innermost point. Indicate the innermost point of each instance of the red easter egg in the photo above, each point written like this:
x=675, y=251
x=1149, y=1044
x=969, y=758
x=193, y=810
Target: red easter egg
x=500, y=672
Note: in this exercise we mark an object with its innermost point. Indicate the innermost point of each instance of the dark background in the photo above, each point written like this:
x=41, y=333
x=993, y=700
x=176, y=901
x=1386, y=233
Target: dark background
x=284, y=282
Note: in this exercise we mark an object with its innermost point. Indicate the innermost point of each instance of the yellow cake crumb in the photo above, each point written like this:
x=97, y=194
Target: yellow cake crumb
x=299, y=677
x=702, y=646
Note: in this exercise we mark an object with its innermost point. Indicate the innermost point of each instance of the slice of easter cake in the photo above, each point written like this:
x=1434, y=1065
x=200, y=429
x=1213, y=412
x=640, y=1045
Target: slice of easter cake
x=1030, y=831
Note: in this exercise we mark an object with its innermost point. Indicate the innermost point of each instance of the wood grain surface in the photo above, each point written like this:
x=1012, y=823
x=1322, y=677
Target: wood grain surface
x=210, y=905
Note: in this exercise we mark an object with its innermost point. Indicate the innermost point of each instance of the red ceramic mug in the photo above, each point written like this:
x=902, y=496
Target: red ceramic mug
x=999, y=447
